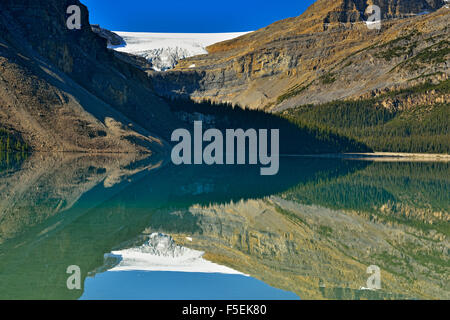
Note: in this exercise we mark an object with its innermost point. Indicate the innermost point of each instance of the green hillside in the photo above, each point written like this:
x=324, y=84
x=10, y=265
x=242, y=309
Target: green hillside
x=421, y=129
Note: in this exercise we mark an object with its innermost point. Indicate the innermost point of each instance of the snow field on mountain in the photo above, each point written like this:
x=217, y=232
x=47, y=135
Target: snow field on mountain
x=164, y=50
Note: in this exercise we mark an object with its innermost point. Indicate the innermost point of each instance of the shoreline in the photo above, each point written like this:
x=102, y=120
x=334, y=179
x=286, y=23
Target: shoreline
x=382, y=156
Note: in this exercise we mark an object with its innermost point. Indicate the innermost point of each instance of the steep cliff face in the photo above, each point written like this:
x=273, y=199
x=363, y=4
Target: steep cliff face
x=63, y=90
x=327, y=53
x=355, y=10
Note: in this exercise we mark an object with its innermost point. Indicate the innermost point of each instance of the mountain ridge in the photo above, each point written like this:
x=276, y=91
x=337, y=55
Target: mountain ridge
x=314, y=64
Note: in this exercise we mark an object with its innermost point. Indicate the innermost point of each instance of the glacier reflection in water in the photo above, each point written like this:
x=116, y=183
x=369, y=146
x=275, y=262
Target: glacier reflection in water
x=162, y=270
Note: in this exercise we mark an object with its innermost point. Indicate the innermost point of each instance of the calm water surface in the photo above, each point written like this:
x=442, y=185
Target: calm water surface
x=143, y=229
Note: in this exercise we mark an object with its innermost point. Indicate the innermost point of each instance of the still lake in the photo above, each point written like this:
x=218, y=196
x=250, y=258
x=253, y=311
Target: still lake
x=144, y=229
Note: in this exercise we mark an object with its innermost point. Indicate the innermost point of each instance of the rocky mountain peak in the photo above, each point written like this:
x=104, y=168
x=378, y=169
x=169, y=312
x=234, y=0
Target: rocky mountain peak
x=325, y=14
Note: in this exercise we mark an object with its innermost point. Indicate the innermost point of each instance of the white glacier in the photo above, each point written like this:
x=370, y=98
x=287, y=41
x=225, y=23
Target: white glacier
x=161, y=253
x=164, y=50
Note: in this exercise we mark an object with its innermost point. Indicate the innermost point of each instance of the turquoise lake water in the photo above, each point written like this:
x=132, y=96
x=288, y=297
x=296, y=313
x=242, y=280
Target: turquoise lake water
x=310, y=232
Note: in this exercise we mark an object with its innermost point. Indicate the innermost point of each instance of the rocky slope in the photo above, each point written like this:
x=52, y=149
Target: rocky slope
x=63, y=90
x=327, y=53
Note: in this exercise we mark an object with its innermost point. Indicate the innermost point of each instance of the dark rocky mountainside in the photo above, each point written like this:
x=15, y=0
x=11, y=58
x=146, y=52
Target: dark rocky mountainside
x=63, y=90
x=328, y=53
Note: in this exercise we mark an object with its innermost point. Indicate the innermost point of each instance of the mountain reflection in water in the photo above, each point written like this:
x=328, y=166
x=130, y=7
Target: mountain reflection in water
x=312, y=230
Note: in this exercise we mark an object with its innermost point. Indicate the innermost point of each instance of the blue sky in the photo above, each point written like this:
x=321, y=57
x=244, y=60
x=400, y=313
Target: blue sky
x=191, y=16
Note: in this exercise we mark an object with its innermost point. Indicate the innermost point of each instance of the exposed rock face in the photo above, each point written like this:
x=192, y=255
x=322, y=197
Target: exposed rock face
x=63, y=90
x=327, y=53
x=113, y=38
x=355, y=10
